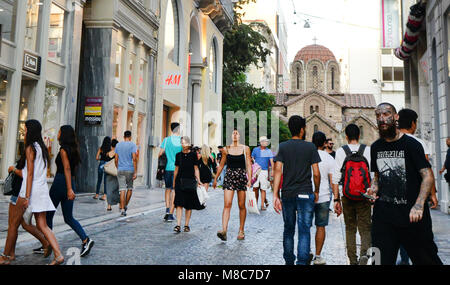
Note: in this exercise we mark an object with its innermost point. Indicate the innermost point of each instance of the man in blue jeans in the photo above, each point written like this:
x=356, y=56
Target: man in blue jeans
x=294, y=160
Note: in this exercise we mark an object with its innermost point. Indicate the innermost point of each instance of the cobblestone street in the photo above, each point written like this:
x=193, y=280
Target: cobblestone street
x=142, y=238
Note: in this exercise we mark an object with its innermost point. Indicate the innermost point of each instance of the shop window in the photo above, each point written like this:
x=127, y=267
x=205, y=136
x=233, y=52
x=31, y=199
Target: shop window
x=32, y=22
x=118, y=73
x=8, y=15
x=142, y=76
x=5, y=79
x=172, y=32
x=26, y=90
x=165, y=123
x=50, y=125
x=387, y=74
x=116, y=134
x=213, y=66
x=55, y=33
x=140, y=141
x=131, y=75
x=130, y=121
x=398, y=73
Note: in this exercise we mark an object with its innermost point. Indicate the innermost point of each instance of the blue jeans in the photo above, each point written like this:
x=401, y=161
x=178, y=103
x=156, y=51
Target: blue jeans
x=58, y=194
x=101, y=175
x=300, y=210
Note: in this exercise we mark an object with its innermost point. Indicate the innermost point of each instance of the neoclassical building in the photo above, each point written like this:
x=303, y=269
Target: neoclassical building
x=315, y=95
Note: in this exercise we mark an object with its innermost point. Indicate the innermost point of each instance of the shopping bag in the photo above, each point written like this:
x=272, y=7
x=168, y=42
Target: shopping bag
x=202, y=195
x=252, y=205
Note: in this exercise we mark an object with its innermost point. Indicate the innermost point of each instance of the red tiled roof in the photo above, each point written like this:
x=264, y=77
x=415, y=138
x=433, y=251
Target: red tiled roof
x=314, y=52
x=359, y=101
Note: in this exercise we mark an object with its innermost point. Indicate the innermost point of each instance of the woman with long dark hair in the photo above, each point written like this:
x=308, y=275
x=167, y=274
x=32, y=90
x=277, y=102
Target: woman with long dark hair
x=34, y=193
x=62, y=188
x=103, y=158
x=112, y=194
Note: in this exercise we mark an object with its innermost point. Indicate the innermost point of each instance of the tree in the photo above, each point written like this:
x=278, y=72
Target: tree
x=243, y=46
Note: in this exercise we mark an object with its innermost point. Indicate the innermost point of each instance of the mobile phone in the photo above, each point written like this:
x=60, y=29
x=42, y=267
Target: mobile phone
x=367, y=196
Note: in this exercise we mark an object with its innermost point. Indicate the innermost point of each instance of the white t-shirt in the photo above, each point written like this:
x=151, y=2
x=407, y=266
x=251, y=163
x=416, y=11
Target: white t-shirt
x=326, y=166
x=426, y=149
x=340, y=157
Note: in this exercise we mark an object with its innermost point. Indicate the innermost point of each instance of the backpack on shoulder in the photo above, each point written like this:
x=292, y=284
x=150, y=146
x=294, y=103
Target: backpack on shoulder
x=355, y=177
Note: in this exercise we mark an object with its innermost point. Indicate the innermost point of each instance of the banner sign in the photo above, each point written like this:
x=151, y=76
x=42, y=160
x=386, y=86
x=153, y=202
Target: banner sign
x=93, y=111
x=173, y=80
x=391, y=32
x=32, y=63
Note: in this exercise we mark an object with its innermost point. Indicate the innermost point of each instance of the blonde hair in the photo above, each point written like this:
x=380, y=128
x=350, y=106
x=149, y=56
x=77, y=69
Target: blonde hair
x=205, y=153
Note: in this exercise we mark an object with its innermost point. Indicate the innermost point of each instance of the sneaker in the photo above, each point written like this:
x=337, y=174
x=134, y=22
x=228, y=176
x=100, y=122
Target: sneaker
x=319, y=261
x=166, y=217
x=38, y=250
x=123, y=213
x=170, y=218
x=86, y=247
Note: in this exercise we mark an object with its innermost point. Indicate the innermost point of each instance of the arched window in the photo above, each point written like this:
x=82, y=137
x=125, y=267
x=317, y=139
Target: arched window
x=332, y=78
x=298, y=77
x=315, y=77
x=316, y=128
x=172, y=32
x=213, y=66
x=311, y=109
x=317, y=109
x=361, y=132
x=315, y=71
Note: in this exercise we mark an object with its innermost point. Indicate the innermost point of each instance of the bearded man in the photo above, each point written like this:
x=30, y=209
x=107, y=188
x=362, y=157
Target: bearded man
x=403, y=181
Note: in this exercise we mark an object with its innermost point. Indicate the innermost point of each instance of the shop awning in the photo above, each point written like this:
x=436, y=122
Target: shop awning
x=411, y=37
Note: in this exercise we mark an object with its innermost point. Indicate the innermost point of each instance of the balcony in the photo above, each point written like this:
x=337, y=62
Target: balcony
x=220, y=12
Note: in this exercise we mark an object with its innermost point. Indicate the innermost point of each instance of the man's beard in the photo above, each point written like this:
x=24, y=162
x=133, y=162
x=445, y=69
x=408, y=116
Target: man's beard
x=389, y=133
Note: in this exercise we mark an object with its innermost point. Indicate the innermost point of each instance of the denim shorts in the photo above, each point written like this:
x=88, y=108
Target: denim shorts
x=168, y=179
x=322, y=214
x=125, y=180
x=14, y=200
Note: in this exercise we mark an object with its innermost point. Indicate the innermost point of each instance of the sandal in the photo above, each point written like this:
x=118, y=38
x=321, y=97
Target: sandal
x=222, y=235
x=187, y=229
x=102, y=198
x=267, y=203
x=47, y=251
x=241, y=235
x=5, y=259
x=57, y=261
x=177, y=229
x=95, y=197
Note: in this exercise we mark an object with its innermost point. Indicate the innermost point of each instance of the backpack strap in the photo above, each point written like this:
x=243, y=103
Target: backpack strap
x=347, y=150
x=361, y=150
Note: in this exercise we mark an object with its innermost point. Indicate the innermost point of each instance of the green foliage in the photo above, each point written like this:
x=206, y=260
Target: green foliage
x=243, y=46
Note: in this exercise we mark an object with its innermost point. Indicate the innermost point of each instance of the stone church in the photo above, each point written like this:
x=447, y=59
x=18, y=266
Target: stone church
x=315, y=95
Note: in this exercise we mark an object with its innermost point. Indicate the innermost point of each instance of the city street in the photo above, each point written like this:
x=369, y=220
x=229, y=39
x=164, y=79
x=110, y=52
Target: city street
x=142, y=238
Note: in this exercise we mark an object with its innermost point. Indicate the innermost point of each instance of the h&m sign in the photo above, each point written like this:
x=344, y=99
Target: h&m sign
x=32, y=63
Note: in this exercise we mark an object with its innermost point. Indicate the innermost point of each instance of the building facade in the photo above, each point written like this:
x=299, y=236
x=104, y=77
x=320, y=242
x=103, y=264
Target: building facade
x=39, y=70
x=117, y=87
x=427, y=83
x=189, y=71
x=316, y=95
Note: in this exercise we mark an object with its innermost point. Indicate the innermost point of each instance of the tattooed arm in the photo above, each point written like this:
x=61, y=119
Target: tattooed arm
x=416, y=212
x=373, y=190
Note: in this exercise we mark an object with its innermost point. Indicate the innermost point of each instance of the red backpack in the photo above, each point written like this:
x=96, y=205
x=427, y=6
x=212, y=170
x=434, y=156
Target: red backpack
x=355, y=174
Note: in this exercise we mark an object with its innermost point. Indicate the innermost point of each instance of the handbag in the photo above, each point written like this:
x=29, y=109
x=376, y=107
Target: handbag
x=27, y=216
x=110, y=168
x=202, y=195
x=160, y=174
x=8, y=187
x=252, y=205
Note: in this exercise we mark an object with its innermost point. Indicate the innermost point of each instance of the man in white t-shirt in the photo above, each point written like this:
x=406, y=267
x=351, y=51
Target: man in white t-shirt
x=357, y=214
x=321, y=208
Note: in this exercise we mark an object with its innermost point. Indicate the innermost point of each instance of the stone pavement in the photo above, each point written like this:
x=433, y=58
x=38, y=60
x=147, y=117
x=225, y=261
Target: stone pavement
x=143, y=238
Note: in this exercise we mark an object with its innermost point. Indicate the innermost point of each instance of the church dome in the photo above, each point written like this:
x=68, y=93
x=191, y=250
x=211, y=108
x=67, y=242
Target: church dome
x=314, y=52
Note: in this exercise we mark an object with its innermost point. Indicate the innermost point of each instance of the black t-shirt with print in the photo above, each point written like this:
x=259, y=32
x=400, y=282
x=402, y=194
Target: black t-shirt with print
x=398, y=164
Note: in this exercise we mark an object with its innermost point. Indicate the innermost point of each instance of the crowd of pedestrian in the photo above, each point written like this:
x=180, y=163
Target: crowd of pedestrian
x=383, y=191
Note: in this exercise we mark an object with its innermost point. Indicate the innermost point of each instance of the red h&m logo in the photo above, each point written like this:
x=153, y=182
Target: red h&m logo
x=173, y=80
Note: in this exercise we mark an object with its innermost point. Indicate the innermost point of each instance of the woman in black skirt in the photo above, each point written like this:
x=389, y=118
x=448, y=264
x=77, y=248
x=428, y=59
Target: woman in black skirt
x=206, y=164
x=186, y=179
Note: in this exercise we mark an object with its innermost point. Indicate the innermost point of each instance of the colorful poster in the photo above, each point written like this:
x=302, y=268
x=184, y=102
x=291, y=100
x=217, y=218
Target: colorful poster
x=93, y=111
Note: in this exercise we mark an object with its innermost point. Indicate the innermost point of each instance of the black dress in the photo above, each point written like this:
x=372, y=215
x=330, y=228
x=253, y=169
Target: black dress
x=186, y=198
x=205, y=170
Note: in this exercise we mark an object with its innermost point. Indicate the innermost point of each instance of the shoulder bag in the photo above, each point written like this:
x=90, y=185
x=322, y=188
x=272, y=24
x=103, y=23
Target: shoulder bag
x=110, y=167
x=8, y=187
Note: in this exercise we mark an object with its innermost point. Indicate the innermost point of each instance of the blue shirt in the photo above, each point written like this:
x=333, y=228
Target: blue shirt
x=171, y=146
x=262, y=157
x=125, y=151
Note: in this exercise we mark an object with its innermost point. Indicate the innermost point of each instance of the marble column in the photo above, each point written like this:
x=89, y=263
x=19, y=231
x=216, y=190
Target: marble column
x=96, y=80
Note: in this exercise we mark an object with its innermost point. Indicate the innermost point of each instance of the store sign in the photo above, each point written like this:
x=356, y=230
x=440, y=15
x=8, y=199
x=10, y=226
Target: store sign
x=32, y=63
x=93, y=111
x=391, y=32
x=173, y=80
x=131, y=100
